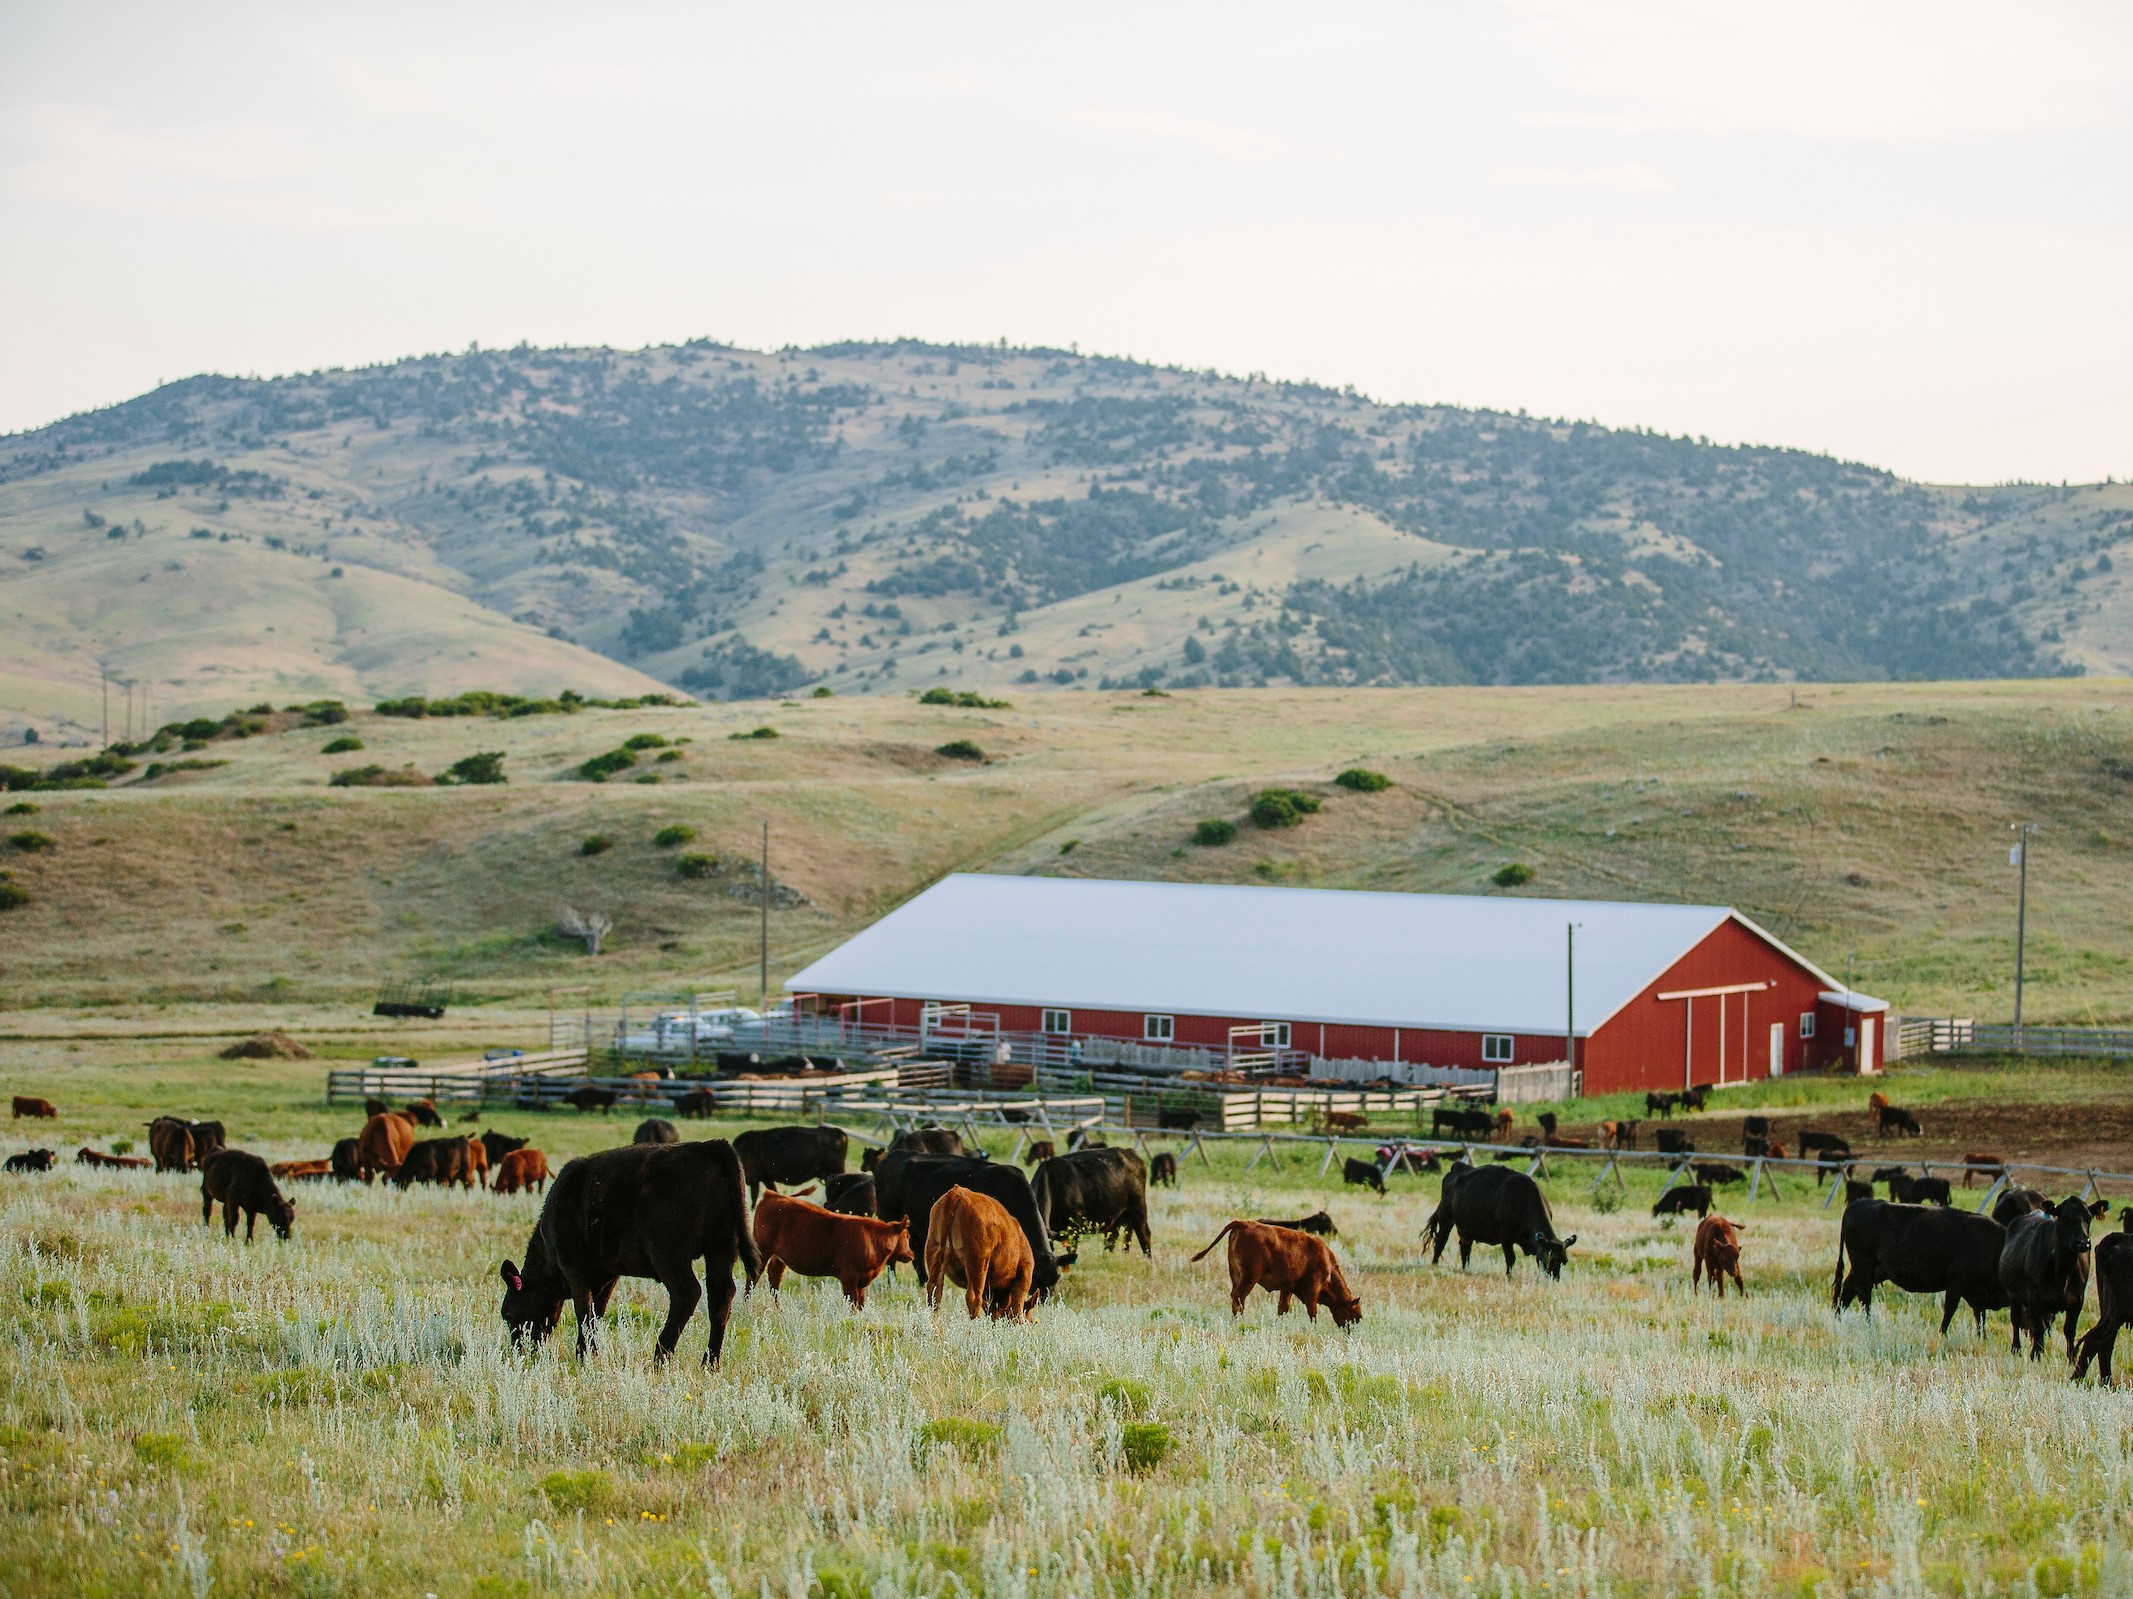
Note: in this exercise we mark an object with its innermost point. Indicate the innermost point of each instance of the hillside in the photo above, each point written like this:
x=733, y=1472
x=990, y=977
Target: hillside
x=886, y=516
x=1866, y=823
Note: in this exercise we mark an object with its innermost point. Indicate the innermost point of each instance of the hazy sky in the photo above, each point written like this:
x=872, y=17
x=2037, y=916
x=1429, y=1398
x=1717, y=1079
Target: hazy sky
x=1902, y=232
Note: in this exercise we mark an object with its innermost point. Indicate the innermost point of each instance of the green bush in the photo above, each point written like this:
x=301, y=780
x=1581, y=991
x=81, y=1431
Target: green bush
x=645, y=777
x=379, y=777
x=595, y=844
x=1145, y=1445
x=322, y=713
x=824, y=692
x=670, y=755
x=760, y=732
x=485, y=767
x=968, y=1438
x=697, y=865
x=1070, y=846
x=29, y=842
x=1127, y=1395
x=1361, y=780
x=1282, y=807
x=601, y=767
x=645, y=741
x=1511, y=874
x=670, y=837
x=158, y=769
x=963, y=699
x=960, y=749
x=578, y=1490
x=23, y=808
x=160, y=1449
x=346, y=744
x=12, y=896
x=1214, y=830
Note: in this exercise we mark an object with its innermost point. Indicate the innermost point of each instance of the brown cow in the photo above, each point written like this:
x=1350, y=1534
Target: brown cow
x=304, y=1170
x=1717, y=1255
x=170, y=1141
x=240, y=1179
x=478, y=1158
x=1975, y=1165
x=521, y=1168
x=1505, y=1122
x=812, y=1242
x=383, y=1144
x=1347, y=1121
x=423, y=1113
x=1618, y=1134
x=1039, y=1152
x=973, y=1242
x=36, y=1109
x=443, y=1161
x=85, y=1156
x=1163, y=1170
x=1286, y=1262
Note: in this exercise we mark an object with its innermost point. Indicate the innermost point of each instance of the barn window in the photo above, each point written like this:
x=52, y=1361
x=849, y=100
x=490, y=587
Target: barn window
x=1160, y=1029
x=1273, y=1035
x=1807, y=1024
x=1496, y=1047
x=1058, y=1021
x=930, y=1014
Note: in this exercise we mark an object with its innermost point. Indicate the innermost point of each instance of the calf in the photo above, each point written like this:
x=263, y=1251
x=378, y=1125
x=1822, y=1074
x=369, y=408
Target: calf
x=1096, y=1191
x=588, y=1097
x=1811, y=1142
x=241, y=1181
x=1461, y=1122
x=792, y=1235
x=1712, y=1173
x=2044, y=1268
x=790, y=1154
x=1619, y=1134
x=31, y=1160
x=1922, y=1249
x=1895, y=1120
x=85, y=1156
x=300, y=1170
x=1345, y=1121
x=1977, y=1165
x=645, y=1210
x=442, y=1161
x=346, y=1167
x=696, y=1103
x=1672, y=1141
x=1854, y=1191
x=1362, y=1173
x=1661, y=1105
x=1921, y=1191
x=497, y=1145
x=35, y=1109
x=1184, y=1121
x=1495, y=1205
x=1288, y=1263
x=1718, y=1254
x=1039, y=1152
x=655, y=1130
x=1163, y=1170
x=1694, y=1098
x=1317, y=1222
x=908, y=1185
x=521, y=1169
x=1755, y=1126
x=849, y=1193
x=1687, y=1197
x=383, y=1144
x=423, y=1113
x=2114, y=1304
x=974, y=1243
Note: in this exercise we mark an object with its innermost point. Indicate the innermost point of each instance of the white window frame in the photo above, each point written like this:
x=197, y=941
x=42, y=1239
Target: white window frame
x=1498, y=1049
x=1807, y=1024
x=1055, y=1021
x=1157, y=1029
x=929, y=1014
x=1274, y=1035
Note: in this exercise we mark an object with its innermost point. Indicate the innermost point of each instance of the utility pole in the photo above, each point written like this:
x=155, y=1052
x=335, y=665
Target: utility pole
x=103, y=672
x=1570, y=1001
x=763, y=992
x=2019, y=857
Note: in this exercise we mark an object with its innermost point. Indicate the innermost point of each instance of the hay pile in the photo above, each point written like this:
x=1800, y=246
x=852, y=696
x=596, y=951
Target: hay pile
x=267, y=1046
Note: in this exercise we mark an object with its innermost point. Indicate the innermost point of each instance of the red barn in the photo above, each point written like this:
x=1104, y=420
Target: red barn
x=1653, y=996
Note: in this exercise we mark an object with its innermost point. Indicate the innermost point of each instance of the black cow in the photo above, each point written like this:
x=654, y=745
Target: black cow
x=31, y=1160
x=2017, y=1202
x=1178, y=1120
x=849, y=1193
x=1712, y=1173
x=1922, y=1249
x=2114, y=1303
x=2044, y=1268
x=1495, y=1205
x=588, y=1097
x=1082, y=1138
x=790, y=1154
x=1687, y=1197
x=443, y=1161
x=240, y=1179
x=1040, y=1150
x=1094, y=1191
x=346, y=1168
x=907, y=1186
x=647, y=1210
x=1317, y=1222
x=1693, y=1098
x=1755, y=1127
x=1673, y=1141
x=1661, y=1105
x=696, y=1103
x=656, y=1130
x=1363, y=1173
x=1894, y=1118
x=498, y=1145
x=932, y=1140
x=1921, y=1191
x=1163, y=1170
x=1809, y=1141
x=1547, y=1120
x=1460, y=1122
x=375, y=1107
x=1854, y=1191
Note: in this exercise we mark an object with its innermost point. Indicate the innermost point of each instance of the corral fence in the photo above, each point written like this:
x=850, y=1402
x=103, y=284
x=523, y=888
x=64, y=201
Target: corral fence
x=1954, y=1035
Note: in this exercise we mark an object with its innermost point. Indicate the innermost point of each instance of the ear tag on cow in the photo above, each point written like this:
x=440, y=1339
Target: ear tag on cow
x=512, y=1280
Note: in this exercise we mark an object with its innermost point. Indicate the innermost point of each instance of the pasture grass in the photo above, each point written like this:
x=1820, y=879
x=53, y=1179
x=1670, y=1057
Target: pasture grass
x=184, y=1415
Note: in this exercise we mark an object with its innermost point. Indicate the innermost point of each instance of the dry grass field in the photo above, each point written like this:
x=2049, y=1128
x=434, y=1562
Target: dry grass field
x=342, y=1414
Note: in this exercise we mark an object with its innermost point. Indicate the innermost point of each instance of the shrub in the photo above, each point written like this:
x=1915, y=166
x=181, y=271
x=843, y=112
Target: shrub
x=379, y=777
x=1214, y=830
x=322, y=713
x=1127, y=1395
x=1361, y=780
x=30, y=842
x=963, y=699
x=121, y=1146
x=601, y=767
x=23, y=808
x=158, y=769
x=1282, y=807
x=12, y=896
x=346, y=744
x=595, y=844
x=670, y=755
x=645, y=741
x=1145, y=1445
x=577, y=1490
x=1511, y=874
x=159, y=1449
x=968, y=1438
x=485, y=767
x=669, y=837
x=760, y=732
x=823, y=692
x=1070, y=846
x=697, y=865
x=960, y=749
x=645, y=777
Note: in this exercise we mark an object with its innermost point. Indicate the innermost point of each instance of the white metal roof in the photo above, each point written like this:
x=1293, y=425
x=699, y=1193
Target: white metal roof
x=1287, y=954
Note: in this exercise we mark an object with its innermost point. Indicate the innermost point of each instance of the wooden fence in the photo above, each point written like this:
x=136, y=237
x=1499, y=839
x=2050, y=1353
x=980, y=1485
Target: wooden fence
x=1957, y=1035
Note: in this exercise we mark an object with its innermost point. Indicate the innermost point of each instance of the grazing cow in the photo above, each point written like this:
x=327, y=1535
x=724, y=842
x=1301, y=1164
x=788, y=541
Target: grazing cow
x=1163, y=1170
x=1755, y=1126
x=498, y=1145
x=1718, y=1255
x=443, y=1161
x=207, y=1138
x=2044, y=1268
x=1687, y=1197
x=31, y=1160
x=1673, y=1141
x=792, y=1235
x=645, y=1210
x=1910, y=1190
x=696, y=1103
x=909, y=1186
x=1855, y=1191
x=1363, y=1173
x=347, y=1166
x=1547, y=1120
x=85, y=1156
x=655, y=1130
x=1811, y=1142
x=1694, y=1098
x=974, y=1243
x=2114, y=1304
x=849, y=1193
x=1661, y=1105
x=1288, y=1263
x=587, y=1097
x=1461, y=1122
x=1619, y=1134
x=1922, y=1249
x=1714, y=1173
x=375, y=1107
x=35, y=1109
x=1094, y=1191
x=383, y=1144
x=300, y=1170
x=1345, y=1121
x=1894, y=1120
x=1495, y=1205
x=423, y=1113
x=1977, y=1165
x=1039, y=1152
x=1317, y=1222
x=241, y=1181
x=170, y=1141
x=521, y=1169
x=790, y=1154
x=1184, y=1121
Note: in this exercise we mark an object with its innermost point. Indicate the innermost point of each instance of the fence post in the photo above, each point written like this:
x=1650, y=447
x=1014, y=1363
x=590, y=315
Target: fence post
x=1331, y=1150
x=1673, y=1176
x=1991, y=1193
x=1197, y=1144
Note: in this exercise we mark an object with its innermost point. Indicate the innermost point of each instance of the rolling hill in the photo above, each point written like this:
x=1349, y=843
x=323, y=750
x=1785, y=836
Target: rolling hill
x=895, y=516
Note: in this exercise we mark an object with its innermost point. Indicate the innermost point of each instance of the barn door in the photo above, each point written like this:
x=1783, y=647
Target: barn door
x=1777, y=1049
x=1869, y=1061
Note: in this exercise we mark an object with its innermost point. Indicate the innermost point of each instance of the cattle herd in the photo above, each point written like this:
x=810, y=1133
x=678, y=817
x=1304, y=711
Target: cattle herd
x=655, y=1207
